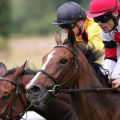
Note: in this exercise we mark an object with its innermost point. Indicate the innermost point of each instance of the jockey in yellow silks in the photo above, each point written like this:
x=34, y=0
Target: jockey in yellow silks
x=93, y=33
x=71, y=16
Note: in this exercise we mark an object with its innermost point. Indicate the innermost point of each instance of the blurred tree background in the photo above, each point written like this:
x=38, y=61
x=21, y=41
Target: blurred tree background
x=30, y=16
x=24, y=24
x=26, y=29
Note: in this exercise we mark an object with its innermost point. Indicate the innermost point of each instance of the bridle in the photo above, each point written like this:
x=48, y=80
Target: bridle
x=17, y=84
x=58, y=87
x=74, y=62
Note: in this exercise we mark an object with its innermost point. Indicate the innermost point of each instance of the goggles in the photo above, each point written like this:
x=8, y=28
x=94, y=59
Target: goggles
x=104, y=18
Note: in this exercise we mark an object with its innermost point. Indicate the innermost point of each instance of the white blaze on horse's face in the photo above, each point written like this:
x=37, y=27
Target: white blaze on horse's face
x=49, y=57
x=32, y=81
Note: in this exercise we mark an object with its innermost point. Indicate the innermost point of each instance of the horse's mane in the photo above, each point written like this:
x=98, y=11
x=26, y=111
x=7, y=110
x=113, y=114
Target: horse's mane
x=89, y=51
x=26, y=71
x=92, y=55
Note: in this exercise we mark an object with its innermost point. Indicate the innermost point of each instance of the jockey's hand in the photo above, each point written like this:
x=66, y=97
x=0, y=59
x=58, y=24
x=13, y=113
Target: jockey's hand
x=116, y=83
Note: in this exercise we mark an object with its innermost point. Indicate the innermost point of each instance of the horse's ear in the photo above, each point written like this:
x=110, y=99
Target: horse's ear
x=3, y=69
x=58, y=38
x=23, y=66
x=19, y=71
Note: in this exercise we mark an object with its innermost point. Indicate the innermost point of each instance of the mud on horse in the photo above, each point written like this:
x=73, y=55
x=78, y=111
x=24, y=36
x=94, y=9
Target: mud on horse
x=70, y=68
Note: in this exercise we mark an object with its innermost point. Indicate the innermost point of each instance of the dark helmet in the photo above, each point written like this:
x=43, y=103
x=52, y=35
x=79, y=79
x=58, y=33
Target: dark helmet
x=69, y=13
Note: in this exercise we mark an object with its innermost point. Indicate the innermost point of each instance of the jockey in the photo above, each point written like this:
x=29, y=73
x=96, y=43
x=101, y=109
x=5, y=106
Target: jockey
x=71, y=15
x=107, y=13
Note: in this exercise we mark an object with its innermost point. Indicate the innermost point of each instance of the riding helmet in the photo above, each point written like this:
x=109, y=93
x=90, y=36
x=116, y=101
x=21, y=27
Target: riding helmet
x=100, y=7
x=68, y=13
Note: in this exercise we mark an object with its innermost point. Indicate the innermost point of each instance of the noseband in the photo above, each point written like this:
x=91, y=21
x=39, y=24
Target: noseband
x=57, y=88
x=58, y=85
x=17, y=84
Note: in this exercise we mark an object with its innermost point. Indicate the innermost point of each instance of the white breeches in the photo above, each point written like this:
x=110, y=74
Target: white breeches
x=116, y=71
x=113, y=67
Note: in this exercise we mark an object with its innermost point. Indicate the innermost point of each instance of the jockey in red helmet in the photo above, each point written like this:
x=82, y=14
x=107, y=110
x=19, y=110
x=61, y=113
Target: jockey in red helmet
x=71, y=15
x=107, y=14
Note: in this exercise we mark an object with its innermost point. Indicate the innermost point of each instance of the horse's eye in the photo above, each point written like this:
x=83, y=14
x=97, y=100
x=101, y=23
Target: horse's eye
x=5, y=97
x=63, y=61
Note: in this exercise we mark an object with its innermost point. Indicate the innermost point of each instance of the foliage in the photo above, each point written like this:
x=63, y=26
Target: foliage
x=5, y=18
x=38, y=26
x=3, y=44
x=35, y=17
x=30, y=16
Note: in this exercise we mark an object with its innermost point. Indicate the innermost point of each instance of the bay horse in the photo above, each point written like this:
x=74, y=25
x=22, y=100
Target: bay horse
x=12, y=94
x=69, y=68
x=13, y=101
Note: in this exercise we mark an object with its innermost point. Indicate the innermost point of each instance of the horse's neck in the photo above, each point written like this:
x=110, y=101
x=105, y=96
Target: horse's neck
x=85, y=103
x=87, y=76
x=94, y=106
x=91, y=105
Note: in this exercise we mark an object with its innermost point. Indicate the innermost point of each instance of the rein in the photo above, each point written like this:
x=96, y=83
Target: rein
x=17, y=84
x=83, y=90
x=75, y=73
x=7, y=80
x=58, y=88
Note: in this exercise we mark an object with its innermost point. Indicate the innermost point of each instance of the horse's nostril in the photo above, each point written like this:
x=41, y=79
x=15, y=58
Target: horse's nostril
x=33, y=90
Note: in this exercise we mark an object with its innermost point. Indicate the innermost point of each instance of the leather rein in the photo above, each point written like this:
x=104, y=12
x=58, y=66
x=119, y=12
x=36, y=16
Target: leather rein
x=58, y=88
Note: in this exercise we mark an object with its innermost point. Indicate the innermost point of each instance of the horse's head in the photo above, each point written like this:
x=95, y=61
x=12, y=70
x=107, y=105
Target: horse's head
x=60, y=68
x=9, y=92
x=68, y=65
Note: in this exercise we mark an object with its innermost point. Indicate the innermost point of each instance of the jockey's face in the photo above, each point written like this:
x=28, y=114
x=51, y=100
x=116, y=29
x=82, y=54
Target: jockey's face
x=108, y=26
x=79, y=27
x=106, y=21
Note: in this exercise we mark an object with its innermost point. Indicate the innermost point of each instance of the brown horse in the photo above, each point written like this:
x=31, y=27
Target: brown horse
x=72, y=68
x=12, y=95
x=13, y=101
